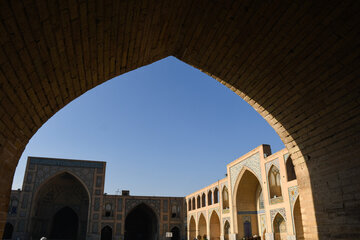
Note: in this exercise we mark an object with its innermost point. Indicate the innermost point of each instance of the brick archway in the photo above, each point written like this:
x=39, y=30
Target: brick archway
x=296, y=63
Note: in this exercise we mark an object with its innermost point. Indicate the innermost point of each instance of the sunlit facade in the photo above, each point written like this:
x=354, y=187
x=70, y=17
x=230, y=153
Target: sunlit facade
x=258, y=199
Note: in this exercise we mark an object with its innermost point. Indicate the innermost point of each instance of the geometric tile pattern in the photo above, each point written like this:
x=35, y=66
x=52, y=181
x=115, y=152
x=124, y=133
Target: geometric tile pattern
x=273, y=213
x=293, y=194
x=252, y=162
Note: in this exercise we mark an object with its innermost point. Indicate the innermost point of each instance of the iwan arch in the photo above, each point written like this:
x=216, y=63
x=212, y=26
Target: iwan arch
x=296, y=63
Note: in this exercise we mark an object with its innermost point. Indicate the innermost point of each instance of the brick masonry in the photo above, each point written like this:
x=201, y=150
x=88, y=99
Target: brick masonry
x=296, y=62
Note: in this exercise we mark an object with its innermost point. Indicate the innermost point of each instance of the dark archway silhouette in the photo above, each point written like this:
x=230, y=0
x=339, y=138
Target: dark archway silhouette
x=106, y=233
x=8, y=231
x=141, y=224
x=61, y=198
x=65, y=224
x=175, y=233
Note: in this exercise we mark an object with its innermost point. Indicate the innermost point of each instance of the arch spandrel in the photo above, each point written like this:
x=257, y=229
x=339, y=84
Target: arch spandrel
x=252, y=162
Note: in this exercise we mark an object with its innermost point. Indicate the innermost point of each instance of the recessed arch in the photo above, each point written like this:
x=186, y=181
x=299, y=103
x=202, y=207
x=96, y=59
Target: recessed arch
x=290, y=169
x=203, y=200
x=246, y=199
x=60, y=198
x=226, y=230
x=215, y=226
x=225, y=198
x=141, y=222
x=175, y=233
x=279, y=226
x=202, y=227
x=192, y=228
x=210, y=198
x=216, y=195
x=198, y=202
x=303, y=91
x=106, y=233
x=274, y=181
x=298, y=221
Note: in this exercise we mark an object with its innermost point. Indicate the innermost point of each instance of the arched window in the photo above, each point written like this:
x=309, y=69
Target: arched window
x=225, y=198
x=210, y=198
x=189, y=205
x=290, y=170
x=274, y=182
x=198, y=202
x=216, y=195
x=193, y=203
x=203, y=200
x=280, y=227
x=13, y=206
x=226, y=230
x=175, y=211
x=108, y=210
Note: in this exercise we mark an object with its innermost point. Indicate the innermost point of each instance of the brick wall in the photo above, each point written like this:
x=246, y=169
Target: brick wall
x=296, y=62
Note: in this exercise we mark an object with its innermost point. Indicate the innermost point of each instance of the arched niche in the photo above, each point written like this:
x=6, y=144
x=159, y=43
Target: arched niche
x=214, y=226
x=246, y=198
x=298, y=221
x=141, y=222
x=62, y=191
x=203, y=200
x=192, y=228
x=279, y=226
x=226, y=230
x=274, y=181
x=210, y=198
x=106, y=233
x=225, y=198
x=202, y=227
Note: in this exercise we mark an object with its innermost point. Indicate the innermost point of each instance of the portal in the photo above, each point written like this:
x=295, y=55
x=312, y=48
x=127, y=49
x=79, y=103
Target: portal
x=141, y=224
x=65, y=224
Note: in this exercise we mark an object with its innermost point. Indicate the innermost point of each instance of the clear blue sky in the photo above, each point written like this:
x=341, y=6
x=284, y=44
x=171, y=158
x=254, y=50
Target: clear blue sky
x=165, y=129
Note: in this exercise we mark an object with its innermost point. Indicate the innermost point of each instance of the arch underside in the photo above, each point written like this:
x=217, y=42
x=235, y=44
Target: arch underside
x=296, y=63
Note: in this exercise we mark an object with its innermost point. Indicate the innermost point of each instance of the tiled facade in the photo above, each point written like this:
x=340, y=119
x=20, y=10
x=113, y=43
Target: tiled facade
x=270, y=217
x=103, y=210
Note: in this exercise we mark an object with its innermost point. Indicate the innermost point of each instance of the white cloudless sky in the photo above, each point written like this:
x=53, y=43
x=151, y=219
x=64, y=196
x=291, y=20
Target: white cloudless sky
x=165, y=129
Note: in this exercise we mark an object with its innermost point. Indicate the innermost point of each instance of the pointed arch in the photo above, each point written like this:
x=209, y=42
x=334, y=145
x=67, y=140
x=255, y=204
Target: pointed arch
x=143, y=221
x=226, y=230
x=246, y=217
x=214, y=226
x=192, y=228
x=279, y=226
x=203, y=200
x=193, y=203
x=225, y=198
x=106, y=233
x=198, y=204
x=210, y=197
x=216, y=195
x=298, y=221
x=202, y=227
x=290, y=169
x=189, y=205
x=63, y=189
x=274, y=181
